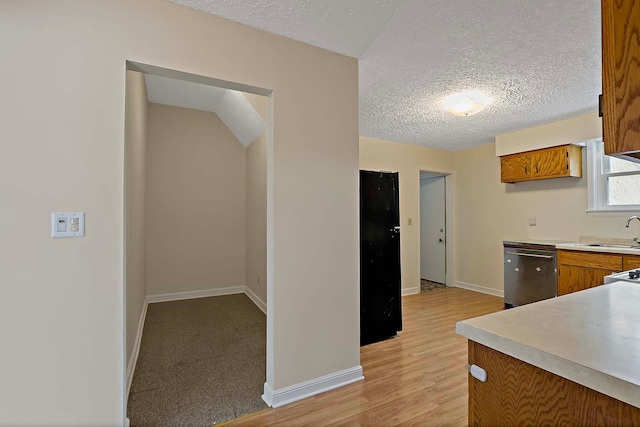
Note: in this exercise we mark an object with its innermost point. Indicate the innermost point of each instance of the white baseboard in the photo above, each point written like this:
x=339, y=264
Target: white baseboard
x=131, y=366
x=410, y=291
x=256, y=299
x=196, y=294
x=312, y=387
x=482, y=289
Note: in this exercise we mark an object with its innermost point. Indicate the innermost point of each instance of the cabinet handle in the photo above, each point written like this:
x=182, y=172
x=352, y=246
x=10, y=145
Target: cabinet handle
x=600, y=105
x=478, y=373
x=525, y=170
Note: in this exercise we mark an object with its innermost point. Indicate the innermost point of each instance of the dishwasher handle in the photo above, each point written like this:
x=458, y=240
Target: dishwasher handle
x=531, y=255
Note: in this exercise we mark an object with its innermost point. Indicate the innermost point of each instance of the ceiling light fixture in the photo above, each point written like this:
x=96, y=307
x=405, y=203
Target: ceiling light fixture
x=466, y=103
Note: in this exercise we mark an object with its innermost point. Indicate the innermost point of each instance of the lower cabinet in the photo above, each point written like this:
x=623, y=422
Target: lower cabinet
x=583, y=270
x=630, y=262
x=517, y=393
x=579, y=270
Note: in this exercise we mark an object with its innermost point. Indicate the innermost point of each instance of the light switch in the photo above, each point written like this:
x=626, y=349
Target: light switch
x=533, y=221
x=61, y=225
x=67, y=224
x=410, y=221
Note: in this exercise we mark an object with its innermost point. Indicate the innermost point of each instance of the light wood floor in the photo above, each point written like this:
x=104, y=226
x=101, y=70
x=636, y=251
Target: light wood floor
x=417, y=378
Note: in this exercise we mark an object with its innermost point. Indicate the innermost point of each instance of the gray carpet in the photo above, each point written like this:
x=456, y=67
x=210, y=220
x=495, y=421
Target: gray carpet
x=201, y=362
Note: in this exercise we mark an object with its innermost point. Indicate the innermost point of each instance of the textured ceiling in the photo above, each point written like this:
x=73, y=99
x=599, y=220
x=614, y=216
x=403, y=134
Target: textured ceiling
x=231, y=106
x=539, y=59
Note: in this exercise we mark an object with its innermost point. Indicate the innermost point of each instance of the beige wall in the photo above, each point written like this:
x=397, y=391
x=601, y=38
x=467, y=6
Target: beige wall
x=256, y=167
x=62, y=311
x=489, y=212
x=408, y=160
x=135, y=191
x=570, y=131
x=195, y=202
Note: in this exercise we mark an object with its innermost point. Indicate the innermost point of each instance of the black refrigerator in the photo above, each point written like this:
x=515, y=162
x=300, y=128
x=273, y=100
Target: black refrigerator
x=380, y=302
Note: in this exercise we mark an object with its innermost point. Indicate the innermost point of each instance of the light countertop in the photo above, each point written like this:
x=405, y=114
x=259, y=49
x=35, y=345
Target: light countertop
x=590, y=337
x=545, y=242
x=611, y=250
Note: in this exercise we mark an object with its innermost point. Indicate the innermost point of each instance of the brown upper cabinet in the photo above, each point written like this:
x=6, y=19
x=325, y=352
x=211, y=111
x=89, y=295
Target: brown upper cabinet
x=554, y=162
x=620, y=104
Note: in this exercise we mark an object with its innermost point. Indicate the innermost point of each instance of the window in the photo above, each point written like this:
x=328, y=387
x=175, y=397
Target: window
x=613, y=183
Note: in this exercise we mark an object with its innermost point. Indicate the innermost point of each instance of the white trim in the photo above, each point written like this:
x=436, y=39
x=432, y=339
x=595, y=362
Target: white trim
x=410, y=291
x=267, y=395
x=131, y=366
x=449, y=238
x=597, y=186
x=312, y=387
x=256, y=299
x=196, y=294
x=611, y=212
x=481, y=289
x=449, y=184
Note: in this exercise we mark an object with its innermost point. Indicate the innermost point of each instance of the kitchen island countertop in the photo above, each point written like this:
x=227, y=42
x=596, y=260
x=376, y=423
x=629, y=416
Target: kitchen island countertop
x=590, y=337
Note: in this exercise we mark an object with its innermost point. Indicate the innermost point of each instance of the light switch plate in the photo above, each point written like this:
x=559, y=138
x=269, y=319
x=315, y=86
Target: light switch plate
x=67, y=224
x=533, y=221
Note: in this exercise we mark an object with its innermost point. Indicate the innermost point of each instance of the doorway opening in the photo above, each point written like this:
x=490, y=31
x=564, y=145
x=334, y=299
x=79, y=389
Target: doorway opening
x=197, y=201
x=434, y=225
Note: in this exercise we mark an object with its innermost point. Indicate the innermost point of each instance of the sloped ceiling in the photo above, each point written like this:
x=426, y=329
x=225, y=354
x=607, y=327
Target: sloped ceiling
x=231, y=106
x=539, y=59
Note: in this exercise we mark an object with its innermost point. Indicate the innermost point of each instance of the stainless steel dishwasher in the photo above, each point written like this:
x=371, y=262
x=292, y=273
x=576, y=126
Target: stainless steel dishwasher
x=530, y=273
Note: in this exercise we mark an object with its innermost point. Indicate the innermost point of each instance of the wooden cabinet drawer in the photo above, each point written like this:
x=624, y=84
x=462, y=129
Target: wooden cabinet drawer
x=630, y=262
x=611, y=262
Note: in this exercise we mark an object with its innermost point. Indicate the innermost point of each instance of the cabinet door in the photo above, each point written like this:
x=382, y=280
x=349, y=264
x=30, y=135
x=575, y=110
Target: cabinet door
x=550, y=162
x=630, y=262
x=515, y=393
x=516, y=167
x=574, y=279
x=621, y=76
x=519, y=394
x=579, y=270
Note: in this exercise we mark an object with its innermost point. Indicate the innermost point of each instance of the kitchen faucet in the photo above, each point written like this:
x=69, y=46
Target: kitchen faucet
x=635, y=239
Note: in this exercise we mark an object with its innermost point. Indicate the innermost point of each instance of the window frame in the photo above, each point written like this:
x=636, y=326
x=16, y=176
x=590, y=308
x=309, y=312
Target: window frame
x=597, y=186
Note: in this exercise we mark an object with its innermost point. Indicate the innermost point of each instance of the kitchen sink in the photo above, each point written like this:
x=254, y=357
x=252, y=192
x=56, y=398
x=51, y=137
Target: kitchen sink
x=608, y=245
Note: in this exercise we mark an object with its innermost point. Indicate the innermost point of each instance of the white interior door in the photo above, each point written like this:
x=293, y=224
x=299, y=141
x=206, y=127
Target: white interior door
x=433, y=229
